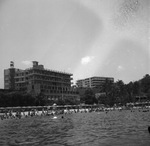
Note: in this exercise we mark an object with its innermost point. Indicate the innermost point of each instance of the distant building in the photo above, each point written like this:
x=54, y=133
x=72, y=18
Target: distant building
x=142, y=98
x=93, y=82
x=37, y=80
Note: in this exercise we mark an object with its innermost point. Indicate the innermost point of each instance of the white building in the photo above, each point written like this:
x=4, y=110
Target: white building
x=93, y=82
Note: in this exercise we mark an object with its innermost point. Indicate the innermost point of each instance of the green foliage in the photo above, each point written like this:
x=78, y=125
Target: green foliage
x=16, y=98
x=145, y=84
x=67, y=101
x=89, y=97
x=118, y=92
x=40, y=100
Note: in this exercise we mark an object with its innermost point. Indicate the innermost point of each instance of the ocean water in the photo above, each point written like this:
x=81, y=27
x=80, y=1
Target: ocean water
x=114, y=128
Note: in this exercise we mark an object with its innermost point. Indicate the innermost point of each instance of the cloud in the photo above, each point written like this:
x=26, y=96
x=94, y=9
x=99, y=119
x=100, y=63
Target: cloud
x=86, y=60
x=27, y=62
x=120, y=68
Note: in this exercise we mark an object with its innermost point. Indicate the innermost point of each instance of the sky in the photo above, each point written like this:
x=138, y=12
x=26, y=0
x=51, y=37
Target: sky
x=109, y=38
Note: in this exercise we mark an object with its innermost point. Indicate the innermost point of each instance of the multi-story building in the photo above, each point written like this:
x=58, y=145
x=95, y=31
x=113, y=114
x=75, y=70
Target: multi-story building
x=52, y=84
x=9, y=77
x=93, y=82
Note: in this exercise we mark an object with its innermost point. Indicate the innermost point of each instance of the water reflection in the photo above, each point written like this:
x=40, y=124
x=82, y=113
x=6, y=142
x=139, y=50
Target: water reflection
x=83, y=129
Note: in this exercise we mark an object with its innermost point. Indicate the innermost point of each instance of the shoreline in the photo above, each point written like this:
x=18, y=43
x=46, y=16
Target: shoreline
x=23, y=112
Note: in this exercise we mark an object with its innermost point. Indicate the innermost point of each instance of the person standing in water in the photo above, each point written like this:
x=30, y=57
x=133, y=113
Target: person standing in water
x=54, y=111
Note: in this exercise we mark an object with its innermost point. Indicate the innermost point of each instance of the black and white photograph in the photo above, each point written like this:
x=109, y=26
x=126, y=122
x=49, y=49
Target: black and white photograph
x=74, y=72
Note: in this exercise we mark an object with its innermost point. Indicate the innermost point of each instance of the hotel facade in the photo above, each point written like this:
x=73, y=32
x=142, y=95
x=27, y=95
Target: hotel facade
x=37, y=80
x=93, y=82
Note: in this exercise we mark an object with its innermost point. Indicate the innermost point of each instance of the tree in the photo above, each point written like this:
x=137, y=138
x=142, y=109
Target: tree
x=89, y=97
x=122, y=92
x=145, y=83
x=136, y=88
x=129, y=88
x=40, y=100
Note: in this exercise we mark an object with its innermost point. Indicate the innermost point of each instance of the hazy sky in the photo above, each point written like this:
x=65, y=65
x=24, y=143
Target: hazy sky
x=83, y=37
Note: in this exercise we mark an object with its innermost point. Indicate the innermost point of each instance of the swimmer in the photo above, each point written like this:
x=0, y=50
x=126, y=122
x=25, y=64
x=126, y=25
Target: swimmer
x=54, y=117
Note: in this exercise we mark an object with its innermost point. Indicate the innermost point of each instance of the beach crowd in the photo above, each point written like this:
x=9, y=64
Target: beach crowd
x=55, y=110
